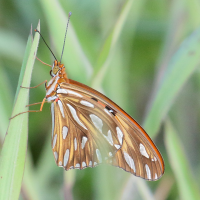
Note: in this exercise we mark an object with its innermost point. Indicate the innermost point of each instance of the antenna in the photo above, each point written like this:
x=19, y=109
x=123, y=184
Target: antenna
x=46, y=44
x=65, y=36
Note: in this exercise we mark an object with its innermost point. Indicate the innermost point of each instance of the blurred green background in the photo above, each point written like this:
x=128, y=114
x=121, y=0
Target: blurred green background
x=144, y=55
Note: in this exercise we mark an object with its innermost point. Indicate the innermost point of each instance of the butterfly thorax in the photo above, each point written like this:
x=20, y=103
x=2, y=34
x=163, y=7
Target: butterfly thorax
x=58, y=76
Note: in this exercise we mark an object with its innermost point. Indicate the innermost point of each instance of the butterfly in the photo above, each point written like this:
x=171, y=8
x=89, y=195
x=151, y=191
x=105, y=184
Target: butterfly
x=89, y=129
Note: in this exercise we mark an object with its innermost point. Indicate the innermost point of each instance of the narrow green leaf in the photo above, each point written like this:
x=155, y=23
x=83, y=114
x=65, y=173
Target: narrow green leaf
x=193, y=7
x=180, y=68
x=30, y=180
x=179, y=163
x=5, y=102
x=13, y=152
x=108, y=48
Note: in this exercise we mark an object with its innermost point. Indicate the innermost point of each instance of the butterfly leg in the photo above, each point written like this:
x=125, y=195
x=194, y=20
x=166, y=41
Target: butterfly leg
x=33, y=104
x=42, y=103
x=44, y=82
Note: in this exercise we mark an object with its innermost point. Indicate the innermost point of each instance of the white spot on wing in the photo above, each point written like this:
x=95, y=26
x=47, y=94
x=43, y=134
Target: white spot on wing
x=148, y=171
x=74, y=93
x=109, y=137
x=106, y=111
x=77, y=165
x=117, y=146
x=97, y=122
x=110, y=154
x=143, y=151
x=61, y=108
x=53, y=117
x=129, y=161
x=83, y=164
x=64, y=132
x=156, y=177
x=75, y=116
x=62, y=91
x=60, y=163
x=90, y=164
x=54, y=140
x=86, y=103
x=55, y=155
x=98, y=155
x=66, y=157
x=75, y=144
x=84, y=140
x=155, y=158
x=119, y=135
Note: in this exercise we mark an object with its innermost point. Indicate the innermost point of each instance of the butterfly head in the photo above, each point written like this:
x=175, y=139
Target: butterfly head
x=56, y=67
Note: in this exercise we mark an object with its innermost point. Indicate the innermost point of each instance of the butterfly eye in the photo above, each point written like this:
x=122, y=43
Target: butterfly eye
x=55, y=70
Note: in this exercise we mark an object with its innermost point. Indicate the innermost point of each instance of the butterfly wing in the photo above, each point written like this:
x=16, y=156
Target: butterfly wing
x=91, y=129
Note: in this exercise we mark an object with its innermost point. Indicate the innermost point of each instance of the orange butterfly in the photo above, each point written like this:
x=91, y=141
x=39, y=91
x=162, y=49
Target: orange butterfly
x=89, y=129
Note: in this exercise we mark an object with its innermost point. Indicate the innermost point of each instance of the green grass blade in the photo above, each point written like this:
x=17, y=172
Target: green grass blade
x=179, y=163
x=193, y=7
x=5, y=102
x=107, y=51
x=181, y=67
x=30, y=181
x=13, y=152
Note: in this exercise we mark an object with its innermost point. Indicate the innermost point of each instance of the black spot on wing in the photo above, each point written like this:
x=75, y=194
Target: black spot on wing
x=111, y=110
x=94, y=99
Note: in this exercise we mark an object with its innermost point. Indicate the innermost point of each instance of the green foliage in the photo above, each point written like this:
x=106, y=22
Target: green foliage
x=13, y=152
x=188, y=188
x=144, y=55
